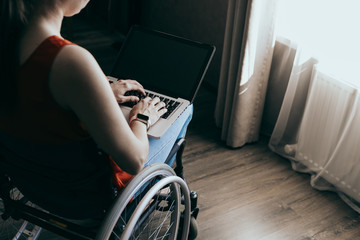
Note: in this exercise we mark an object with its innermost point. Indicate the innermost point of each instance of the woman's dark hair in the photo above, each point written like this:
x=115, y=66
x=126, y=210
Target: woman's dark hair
x=12, y=20
x=14, y=16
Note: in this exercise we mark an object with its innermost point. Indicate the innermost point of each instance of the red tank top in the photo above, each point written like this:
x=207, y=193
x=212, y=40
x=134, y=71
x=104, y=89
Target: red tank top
x=37, y=117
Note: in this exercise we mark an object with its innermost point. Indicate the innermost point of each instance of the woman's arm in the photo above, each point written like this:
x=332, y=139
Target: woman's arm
x=78, y=83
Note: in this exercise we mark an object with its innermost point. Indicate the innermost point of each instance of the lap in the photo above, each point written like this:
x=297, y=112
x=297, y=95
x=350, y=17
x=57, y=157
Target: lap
x=160, y=148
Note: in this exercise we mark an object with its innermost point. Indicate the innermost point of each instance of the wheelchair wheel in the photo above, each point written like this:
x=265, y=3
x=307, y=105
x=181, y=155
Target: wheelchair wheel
x=163, y=220
x=16, y=229
x=153, y=207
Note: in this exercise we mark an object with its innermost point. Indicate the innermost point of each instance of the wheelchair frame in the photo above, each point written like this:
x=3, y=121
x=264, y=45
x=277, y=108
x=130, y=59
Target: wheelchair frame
x=163, y=175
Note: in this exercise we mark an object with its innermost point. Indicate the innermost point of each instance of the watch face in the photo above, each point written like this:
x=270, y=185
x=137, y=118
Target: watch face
x=143, y=117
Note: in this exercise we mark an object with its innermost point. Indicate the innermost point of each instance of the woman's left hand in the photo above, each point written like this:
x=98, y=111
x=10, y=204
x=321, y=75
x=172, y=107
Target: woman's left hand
x=122, y=86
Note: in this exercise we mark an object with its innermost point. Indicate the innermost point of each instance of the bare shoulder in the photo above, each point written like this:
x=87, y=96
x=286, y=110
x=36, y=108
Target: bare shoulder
x=74, y=52
x=74, y=60
x=74, y=72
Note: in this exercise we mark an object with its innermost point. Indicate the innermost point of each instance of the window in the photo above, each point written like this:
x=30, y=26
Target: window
x=327, y=30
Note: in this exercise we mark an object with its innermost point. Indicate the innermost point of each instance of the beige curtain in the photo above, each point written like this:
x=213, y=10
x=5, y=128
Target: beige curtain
x=246, y=61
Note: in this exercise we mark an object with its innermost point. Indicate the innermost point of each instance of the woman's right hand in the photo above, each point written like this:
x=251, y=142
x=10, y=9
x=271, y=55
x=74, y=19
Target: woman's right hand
x=151, y=107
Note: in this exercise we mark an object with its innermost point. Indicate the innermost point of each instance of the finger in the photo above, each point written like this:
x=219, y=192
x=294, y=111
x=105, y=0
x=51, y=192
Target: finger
x=160, y=105
x=155, y=101
x=130, y=99
x=147, y=100
x=130, y=85
x=138, y=88
x=162, y=111
x=135, y=85
x=135, y=82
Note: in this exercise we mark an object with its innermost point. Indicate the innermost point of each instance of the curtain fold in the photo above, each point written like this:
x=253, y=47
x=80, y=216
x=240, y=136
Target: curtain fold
x=316, y=124
x=246, y=61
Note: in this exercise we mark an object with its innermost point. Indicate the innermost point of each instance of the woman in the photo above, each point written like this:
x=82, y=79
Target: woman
x=54, y=96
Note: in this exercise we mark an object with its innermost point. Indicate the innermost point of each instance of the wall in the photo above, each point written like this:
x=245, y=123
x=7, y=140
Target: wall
x=199, y=20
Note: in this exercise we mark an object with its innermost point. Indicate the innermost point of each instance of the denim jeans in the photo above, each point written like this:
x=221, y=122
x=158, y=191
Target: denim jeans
x=160, y=148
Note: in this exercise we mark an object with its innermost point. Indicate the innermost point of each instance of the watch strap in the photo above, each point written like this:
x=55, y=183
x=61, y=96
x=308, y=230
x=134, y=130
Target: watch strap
x=144, y=119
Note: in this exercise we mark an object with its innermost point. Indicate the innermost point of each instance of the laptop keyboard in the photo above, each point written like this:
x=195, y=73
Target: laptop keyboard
x=171, y=105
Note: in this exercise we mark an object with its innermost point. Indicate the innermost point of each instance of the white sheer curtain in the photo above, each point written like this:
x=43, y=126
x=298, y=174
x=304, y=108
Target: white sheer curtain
x=313, y=79
x=324, y=29
x=318, y=127
x=245, y=69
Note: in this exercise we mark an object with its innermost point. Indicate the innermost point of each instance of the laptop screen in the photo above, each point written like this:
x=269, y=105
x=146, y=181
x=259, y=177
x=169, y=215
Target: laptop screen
x=163, y=63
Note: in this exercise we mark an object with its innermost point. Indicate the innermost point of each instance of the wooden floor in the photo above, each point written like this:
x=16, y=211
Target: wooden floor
x=246, y=193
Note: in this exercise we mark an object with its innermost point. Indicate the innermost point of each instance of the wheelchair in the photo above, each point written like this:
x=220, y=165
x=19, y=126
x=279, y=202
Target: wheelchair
x=155, y=204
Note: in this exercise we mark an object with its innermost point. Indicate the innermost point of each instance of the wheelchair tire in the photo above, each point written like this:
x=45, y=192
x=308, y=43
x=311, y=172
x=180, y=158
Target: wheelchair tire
x=163, y=222
x=118, y=224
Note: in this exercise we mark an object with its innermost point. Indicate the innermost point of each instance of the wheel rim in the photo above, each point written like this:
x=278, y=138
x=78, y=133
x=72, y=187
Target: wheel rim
x=113, y=226
x=163, y=221
x=131, y=229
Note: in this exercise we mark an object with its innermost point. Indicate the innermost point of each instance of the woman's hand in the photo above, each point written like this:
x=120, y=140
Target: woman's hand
x=122, y=86
x=153, y=108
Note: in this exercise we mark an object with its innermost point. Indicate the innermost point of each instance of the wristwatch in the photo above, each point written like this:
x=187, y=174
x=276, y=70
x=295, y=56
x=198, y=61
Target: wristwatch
x=144, y=119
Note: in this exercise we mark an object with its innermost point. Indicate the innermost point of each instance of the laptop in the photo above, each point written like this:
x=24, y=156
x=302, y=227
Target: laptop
x=167, y=66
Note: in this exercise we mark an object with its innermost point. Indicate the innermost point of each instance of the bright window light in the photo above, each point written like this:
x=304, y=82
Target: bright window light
x=325, y=29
